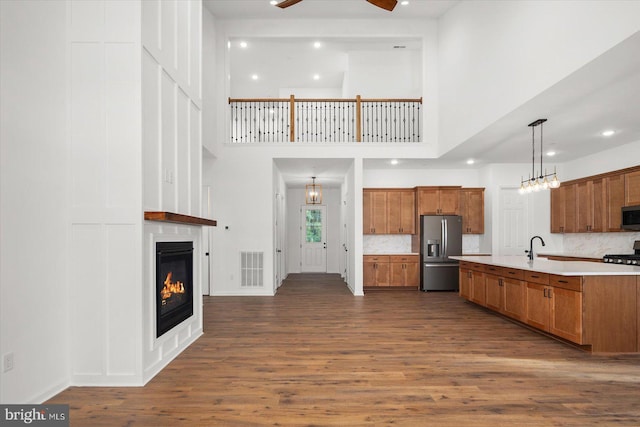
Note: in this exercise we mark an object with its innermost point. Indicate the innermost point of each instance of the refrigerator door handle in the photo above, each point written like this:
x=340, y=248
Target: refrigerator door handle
x=445, y=253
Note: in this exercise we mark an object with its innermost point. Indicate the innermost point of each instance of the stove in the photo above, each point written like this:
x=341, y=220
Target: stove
x=628, y=259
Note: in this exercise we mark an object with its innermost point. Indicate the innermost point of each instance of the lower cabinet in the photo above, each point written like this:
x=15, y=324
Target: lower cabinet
x=544, y=301
x=376, y=270
x=556, y=307
x=391, y=270
x=405, y=270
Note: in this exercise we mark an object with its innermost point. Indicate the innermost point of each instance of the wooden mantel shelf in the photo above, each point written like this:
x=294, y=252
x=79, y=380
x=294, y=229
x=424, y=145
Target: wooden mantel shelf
x=178, y=218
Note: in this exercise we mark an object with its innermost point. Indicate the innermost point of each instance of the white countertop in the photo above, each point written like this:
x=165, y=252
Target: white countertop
x=563, y=268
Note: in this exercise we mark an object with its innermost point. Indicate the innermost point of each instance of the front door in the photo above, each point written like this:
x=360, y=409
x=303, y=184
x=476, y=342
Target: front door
x=313, y=245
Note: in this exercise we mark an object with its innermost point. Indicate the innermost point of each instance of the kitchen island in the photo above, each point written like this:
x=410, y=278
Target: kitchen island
x=593, y=305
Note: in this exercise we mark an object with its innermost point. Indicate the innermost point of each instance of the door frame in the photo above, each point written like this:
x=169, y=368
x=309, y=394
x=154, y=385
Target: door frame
x=303, y=209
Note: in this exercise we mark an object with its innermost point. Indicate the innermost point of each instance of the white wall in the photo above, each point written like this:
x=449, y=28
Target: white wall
x=34, y=176
x=400, y=70
x=209, y=103
x=494, y=55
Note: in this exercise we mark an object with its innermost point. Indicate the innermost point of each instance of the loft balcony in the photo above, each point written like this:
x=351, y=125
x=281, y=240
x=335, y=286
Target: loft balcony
x=306, y=120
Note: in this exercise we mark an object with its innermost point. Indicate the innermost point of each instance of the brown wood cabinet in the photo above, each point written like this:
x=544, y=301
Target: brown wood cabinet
x=438, y=200
x=563, y=209
x=472, y=210
x=401, y=211
x=374, y=210
x=505, y=291
x=405, y=270
x=593, y=204
x=614, y=201
x=471, y=282
x=632, y=188
x=388, y=211
x=376, y=270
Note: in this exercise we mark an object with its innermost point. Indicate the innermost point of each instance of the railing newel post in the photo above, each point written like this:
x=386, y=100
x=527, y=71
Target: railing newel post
x=292, y=118
x=358, y=118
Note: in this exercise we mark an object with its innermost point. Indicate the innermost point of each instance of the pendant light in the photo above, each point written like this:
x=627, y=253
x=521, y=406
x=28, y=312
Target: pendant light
x=313, y=193
x=538, y=182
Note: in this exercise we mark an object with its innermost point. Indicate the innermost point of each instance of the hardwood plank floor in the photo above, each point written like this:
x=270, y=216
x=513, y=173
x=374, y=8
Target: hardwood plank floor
x=316, y=355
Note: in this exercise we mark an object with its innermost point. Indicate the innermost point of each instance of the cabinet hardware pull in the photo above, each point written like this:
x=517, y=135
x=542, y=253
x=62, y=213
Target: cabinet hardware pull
x=549, y=293
x=562, y=281
x=545, y=292
x=534, y=276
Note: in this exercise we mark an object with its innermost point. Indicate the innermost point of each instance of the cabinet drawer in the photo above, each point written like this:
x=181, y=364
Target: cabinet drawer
x=492, y=269
x=535, y=277
x=513, y=273
x=471, y=265
x=404, y=258
x=573, y=283
x=376, y=258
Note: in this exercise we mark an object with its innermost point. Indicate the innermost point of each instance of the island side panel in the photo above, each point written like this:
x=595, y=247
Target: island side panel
x=610, y=313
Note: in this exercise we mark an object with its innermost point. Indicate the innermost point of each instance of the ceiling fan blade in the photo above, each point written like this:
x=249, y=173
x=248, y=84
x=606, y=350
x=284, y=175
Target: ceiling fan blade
x=384, y=4
x=287, y=3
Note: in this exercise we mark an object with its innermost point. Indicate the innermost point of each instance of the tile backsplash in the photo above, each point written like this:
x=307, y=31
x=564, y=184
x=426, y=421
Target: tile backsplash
x=401, y=244
x=599, y=244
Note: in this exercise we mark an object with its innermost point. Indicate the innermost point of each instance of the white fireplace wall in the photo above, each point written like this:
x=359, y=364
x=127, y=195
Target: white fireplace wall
x=172, y=158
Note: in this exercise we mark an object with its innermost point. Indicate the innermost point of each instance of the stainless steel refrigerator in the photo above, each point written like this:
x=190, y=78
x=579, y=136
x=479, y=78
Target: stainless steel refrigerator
x=440, y=238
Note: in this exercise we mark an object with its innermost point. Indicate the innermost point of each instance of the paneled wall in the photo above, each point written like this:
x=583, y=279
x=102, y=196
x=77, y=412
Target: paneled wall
x=135, y=146
x=172, y=157
x=106, y=192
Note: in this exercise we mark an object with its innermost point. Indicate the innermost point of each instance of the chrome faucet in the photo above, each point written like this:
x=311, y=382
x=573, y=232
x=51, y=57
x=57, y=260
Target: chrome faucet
x=530, y=251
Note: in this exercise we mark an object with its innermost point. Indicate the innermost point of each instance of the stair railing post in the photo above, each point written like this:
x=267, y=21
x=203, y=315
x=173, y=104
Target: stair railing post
x=292, y=118
x=358, y=118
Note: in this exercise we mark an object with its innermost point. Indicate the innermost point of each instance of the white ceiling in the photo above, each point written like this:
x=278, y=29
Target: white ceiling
x=604, y=94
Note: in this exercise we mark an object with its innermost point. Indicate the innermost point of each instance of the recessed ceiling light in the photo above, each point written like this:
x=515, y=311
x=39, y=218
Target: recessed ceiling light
x=243, y=45
x=317, y=45
x=316, y=77
x=394, y=161
x=254, y=77
x=470, y=161
x=608, y=132
x=551, y=153
x=273, y=2
x=404, y=3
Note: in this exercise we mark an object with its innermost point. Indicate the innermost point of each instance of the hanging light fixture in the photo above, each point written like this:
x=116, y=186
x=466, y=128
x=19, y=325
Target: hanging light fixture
x=538, y=182
x=313, y=192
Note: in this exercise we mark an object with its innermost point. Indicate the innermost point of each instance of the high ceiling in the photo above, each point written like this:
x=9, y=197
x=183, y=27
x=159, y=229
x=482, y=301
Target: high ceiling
x=604, y=94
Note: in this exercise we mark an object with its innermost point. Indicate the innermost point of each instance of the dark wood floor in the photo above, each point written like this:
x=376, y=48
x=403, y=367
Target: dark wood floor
x=316, y=355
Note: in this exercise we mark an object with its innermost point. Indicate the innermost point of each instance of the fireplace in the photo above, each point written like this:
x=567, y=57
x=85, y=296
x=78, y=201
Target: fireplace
x=174, y=284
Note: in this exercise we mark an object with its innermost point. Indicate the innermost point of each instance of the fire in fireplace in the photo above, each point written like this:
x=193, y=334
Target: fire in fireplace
x=174, y=284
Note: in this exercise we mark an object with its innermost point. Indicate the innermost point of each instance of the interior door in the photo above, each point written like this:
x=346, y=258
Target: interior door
x=513, y=230
x=313, y=240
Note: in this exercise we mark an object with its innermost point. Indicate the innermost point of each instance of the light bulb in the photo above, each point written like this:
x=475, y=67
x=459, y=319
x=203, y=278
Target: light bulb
x=545, y=184
x=555, y=183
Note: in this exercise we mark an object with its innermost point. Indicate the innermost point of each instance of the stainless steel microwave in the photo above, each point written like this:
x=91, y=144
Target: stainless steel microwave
x=631, y=218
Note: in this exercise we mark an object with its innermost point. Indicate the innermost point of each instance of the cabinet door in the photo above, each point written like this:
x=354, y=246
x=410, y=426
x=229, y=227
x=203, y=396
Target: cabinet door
x=412, y=271
x=464, y=283
x=615, y=202
x=493, y=291
x=382, y=274
x=401, y=212
x=584, y=206
x=367, y=212
x=537, y=303
x=478, y=293
x=570, y=203
x=632, y=189
x=472, y=210
x=557, y=210
x=369, y=274
x=598, y=223
x=566, y=314
x=514, y=298
x=449, y=201
x=397, y=274
x=428, y=201
x=408, y=212
x=379, y=212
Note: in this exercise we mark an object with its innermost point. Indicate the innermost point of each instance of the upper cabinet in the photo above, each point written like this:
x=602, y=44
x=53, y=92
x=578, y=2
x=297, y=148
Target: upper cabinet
x=388, y=211
x=594, y=204
x=374, y=210
x=632, y=188
x=401, y=209
x=472, y=210
x=438, y=200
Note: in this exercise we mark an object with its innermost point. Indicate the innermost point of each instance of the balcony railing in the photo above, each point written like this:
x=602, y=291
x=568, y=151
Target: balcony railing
x=325, y=120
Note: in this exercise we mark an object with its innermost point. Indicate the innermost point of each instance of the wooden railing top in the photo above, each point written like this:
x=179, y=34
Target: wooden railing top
x=419, y=100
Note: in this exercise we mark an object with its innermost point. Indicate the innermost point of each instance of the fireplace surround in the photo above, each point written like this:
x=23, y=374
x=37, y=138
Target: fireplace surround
x=174, y=284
